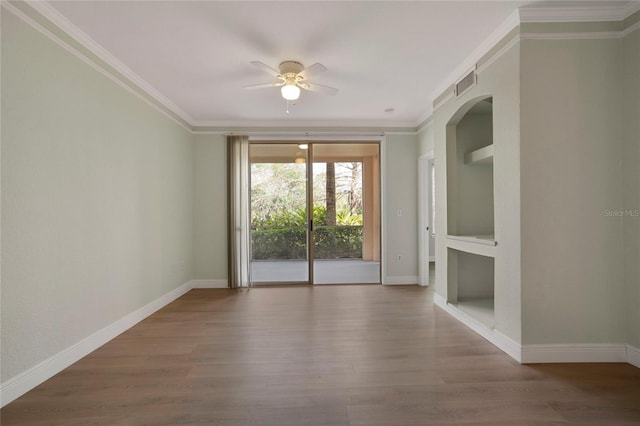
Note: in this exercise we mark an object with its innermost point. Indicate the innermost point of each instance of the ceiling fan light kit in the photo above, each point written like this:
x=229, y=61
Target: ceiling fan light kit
x=290, y=92
x=293, y=77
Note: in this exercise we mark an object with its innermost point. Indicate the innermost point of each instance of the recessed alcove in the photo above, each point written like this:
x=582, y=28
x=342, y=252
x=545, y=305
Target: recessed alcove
x=470, y=156
x=471, y=284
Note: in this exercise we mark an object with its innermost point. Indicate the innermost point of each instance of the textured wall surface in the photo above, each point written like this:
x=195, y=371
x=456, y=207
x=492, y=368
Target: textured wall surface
x=631, y=181
x=96, y=200
x=572, y=272
x=210, y=207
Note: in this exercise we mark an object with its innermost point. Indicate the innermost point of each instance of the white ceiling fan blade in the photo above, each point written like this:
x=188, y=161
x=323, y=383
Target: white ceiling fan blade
x=266, y=68
x=263, y=85
x=316, y=68
x=320, y=88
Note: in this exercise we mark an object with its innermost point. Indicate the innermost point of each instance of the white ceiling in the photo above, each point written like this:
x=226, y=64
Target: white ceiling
x=379, y=54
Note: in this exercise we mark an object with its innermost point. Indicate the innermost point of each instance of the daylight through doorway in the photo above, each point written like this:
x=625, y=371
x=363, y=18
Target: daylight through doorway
x=315, y=213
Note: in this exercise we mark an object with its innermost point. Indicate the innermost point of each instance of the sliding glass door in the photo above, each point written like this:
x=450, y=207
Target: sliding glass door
x=315, y=213
x=280, y=224
x=346, y=201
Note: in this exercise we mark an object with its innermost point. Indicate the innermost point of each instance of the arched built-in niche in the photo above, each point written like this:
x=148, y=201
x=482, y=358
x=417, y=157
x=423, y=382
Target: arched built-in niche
x=470, y=170
x=470, y=209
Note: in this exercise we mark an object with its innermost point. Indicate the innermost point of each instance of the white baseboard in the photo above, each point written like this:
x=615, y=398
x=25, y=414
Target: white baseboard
x=209, y=284
x=575, y=352
x=534, y=354
x=401, y=280
x=633, y=356
x=29, y=379
x=502, y=342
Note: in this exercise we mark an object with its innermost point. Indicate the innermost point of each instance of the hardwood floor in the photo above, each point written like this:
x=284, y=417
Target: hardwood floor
x=328, y=355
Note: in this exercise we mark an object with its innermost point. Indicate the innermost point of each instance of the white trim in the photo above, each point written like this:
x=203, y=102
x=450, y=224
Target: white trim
x=29, y=379
x=576, y=352
x=633, y=356
x=51, y=36
x=197, y=131
x=424, y=117
x=502, y=342
x=550, y=353
x=425, y=124
x=315, y=136
x=406, y=133
x=572, y=36
x=577, y=14
x=209, y=283
x=373, y=123
x=59, y=20
x=401, y=280
x=504, y=49
x=432, y=258
x=498, y=34
x=451, y=94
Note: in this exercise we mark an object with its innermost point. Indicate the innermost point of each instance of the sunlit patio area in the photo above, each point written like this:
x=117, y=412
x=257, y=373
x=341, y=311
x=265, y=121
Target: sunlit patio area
x=342, y=271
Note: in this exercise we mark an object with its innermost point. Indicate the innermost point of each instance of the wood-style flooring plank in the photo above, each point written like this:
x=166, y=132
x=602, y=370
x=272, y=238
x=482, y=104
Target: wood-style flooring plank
x=330, y=355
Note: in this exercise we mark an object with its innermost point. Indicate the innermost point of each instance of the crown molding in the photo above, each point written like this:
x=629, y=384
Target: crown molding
x=572, y=36
x=443, y=99
x=504, y=49
x=346, y=124
x=424, y=117
x=50, y=13
x=487, y=44
x=425, y=124
x=578, y=14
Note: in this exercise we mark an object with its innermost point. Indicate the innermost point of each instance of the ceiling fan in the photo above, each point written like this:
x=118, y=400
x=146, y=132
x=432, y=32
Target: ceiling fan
x=293, y=76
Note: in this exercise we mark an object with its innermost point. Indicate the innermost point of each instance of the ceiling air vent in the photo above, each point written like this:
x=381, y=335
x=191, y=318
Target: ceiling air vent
x=467, y=82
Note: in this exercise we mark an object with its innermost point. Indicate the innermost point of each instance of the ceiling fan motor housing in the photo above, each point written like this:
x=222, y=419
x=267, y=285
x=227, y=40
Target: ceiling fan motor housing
x=290, y=69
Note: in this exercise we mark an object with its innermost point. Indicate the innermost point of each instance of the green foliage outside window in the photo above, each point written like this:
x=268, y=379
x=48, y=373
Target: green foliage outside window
x=283, y=235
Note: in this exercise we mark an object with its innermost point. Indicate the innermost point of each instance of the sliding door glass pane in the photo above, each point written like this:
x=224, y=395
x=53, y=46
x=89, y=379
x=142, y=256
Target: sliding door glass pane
x=346, y=229
x=279, y=251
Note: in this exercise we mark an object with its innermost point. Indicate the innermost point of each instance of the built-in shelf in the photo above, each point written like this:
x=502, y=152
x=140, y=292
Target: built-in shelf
x=483, y=155
x=483, y=245
x=479, y=309
x=488, y=240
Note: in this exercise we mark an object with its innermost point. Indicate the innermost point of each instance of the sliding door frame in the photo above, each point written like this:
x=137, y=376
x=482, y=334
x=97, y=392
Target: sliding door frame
x=333, y=138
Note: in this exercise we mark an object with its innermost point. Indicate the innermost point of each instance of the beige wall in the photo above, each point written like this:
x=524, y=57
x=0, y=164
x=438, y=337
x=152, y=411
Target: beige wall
x=210, y=207
x=425, y=140
x=96, y=200
x=572, y=258
x=631, y=181
x=401, y=176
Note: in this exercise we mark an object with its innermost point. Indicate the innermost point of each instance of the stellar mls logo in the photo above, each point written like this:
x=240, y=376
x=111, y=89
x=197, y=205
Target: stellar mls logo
x=622, y=213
